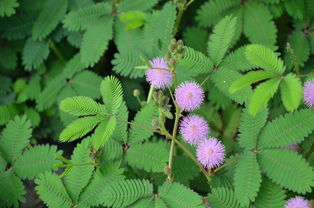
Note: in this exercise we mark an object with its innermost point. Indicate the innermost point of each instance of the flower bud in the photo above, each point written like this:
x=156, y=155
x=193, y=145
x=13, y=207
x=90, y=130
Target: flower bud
x=136, y=93
x=155, y=122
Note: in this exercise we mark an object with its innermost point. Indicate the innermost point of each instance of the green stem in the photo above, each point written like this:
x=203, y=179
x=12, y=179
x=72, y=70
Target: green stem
x=150, y=94
x=308, y=154
x=178, y=20
x=56, y=50
x=305, y=75
x=174, y=135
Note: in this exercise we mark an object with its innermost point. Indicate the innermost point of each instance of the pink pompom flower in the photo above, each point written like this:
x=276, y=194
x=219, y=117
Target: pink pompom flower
x=308, y=93
x=194, y=129
x=210, y=153
x=297, y=202
x=159, y=75
x=189, y=96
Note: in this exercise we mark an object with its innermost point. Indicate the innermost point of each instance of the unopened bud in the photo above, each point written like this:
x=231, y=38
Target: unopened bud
x=172, y=47
x=155, y=122
x=167, y=170
x=180, y=42
x=136, y=93
x=168, y=56
x=155, y=96
x=172, y=62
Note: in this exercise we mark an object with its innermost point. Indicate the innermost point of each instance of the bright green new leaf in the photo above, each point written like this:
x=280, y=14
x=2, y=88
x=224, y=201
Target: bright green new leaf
x=291, y=92
x=133, y=19
x=103, y=132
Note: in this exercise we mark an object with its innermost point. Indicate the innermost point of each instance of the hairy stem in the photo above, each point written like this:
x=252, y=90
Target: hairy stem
x=150, y=94
x=56, y=50
x=305, y=75
x=225, y=165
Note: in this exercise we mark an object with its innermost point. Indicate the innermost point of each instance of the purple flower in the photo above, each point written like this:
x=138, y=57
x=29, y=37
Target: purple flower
x=297, y=202
x=194, y=129
x=308, y=93
x=210, y=153
x=159, y=76
x=189, y=96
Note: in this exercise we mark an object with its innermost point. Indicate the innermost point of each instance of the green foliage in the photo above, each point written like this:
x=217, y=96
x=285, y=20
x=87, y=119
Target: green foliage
x=124, y=193
x=176, y=195
x=112, y=94
x=265, y=58
x=51, y=190
x=129, y=5
x=34, y=161
x=93, y=44
x=247, y=179
x=270, y=195
x=103, y=132
x=82, y=106
x=7, y=7
x=15, y=137
x=220, y=40
x=295, y=8
x=250, y=127
x=13, y=191
x=48, y=18
x=34, y=53
x=79, y=176
x=288, y=129
x=196, y=62
x=258, y=24
x=223, y=198
x=262, y=94
x=291, y=92
x=80, y=127
x=143, y=118
x=149, y=156
x=287, y=169
x=121, y=131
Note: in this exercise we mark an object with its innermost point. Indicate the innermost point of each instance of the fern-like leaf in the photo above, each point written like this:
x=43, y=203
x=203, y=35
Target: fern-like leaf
x=181, y=166
x=265, y=58
x=130, y=5
x=112, y=150
x=295, y=8
x=288, y=129
x=262, y=94
x=291, y=92
x=149, y=156
x=176, y=195
x=79, y=176
x=51, y=191
x=124, y=193
x=34, y=53
x=220, y=41
x=270, y=195
x=7, y=7
x=15, y=137
x=94, y=45
x=80, y=127
x=143, y=118
x=223, y=198
x=73, y=66
x=81, y=18
x=247, y=179
x=121, y=131
x=287, y=168
x=258, y=24
x=82, y=106
x=224, y=78
x=35, y=160
x=195, y=61
x=103, y=132
x=112, y=94
x=212, y=11
x=48, y=18
x=87, y=83
x=93, y=194
x=12, y=191
x=250, y=127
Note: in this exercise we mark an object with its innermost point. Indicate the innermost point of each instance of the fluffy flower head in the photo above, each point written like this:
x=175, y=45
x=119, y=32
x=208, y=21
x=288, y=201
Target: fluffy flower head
x=189, y=96
x=158, y=76
x=210, y=153
x=297, y=202
x=308, y=93
x=194, y=129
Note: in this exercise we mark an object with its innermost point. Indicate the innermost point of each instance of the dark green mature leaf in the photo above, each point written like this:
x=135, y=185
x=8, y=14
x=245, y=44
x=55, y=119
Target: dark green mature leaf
x=262, y=94
x=15, y=137
x=258, y=24
x=247, y=179
x=223, y=198
x=51, y=191
x=87, y=83
x=94, y=45
x=49, y=17
x=130, y=5
x=35, y=160
x=34, y=53
x=295, y=8
x=149, y=156
x=13, y=190
x=103, y=132
x=291, y=92
x=250, y=127
x=220, y=41
x=7, y=7
x=177, y=195
x=287, y=168
x=288, y=129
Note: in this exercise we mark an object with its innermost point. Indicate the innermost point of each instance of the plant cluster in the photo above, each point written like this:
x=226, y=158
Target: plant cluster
x=157, y=103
